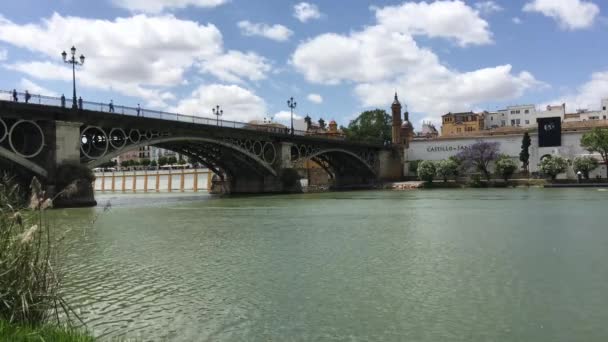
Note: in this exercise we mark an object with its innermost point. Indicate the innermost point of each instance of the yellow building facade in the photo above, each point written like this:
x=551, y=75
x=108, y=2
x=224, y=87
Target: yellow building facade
x=460, y=123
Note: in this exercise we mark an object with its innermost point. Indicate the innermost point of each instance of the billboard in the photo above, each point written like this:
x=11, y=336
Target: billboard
x=549, y=132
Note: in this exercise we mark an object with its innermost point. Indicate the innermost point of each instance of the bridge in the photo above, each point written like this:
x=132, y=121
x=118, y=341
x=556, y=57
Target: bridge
x=43, y=137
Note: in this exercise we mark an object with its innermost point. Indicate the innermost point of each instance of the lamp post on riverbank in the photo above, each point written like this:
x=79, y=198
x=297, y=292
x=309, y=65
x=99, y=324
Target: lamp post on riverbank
x=74, y=62
x=292, y=105
x=218, y=112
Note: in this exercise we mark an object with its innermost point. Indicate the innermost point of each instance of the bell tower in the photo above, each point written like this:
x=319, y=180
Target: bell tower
x=396, y=111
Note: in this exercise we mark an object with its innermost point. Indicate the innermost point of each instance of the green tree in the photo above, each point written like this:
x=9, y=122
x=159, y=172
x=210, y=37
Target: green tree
x=446, y=168
x=171, y=160
x=322, y=123
x=426, y=171
x=308, y=121
x=125, y=163
x=585, y=165
x=505, y=167
x=145, y=162
x=596, y=141
x=524, y=155
x=153, y=163
x=162, y=161
x=371, y=125
x=181, y=161
x=553, y=166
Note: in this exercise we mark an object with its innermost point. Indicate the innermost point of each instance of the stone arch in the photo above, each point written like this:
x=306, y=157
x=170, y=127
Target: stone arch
x=349, y=154
x=167, y=140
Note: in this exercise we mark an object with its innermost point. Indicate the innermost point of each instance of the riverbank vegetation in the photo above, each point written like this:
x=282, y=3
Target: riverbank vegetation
x=30, y=297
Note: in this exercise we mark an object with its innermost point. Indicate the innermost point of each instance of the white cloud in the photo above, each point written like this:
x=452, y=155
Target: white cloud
x=570, y=14
x=238, y=104
x=305, y=11
x=139, y=56
x=158, y=6
x=3, y=54
x=488, y=7
x=35, y=89
x=277, y=32
x=588, y=95
x=516, y=20
x=284, y=117
x=315, y=98
x=383, y=58
x=235, y=66
x=444, y=19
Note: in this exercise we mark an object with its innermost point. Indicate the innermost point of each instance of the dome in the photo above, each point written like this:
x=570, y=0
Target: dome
x=333, y=122
x=407, y=124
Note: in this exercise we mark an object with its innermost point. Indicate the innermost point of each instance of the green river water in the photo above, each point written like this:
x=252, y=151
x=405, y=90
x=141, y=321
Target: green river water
x=441, y=265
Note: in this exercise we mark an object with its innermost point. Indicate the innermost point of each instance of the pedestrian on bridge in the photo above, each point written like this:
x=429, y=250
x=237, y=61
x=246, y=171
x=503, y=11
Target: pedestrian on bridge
x=15, y=99
x=111, y=106
x=80, y=103
x=27, y=97
x=62, y=101
x=138, y=109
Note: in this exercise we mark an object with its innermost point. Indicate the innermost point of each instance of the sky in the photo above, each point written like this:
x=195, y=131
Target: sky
x=335, y=58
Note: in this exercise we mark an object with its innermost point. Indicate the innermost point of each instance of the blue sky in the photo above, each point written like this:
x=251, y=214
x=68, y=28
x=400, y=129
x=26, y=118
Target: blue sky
x=335, y=58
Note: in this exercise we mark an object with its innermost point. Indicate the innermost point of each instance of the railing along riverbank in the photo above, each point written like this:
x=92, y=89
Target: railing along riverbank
x=185, y=180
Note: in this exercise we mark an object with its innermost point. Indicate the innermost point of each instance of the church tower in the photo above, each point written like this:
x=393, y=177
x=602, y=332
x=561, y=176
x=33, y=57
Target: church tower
x=396, y=111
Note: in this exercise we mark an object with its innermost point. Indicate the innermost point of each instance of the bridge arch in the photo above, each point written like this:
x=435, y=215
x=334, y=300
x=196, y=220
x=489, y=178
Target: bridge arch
x=23, y=162
x=177, y=143
x=351, y=155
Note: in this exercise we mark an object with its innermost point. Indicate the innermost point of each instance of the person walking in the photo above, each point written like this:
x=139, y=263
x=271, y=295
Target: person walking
x=80, y=103
x=62, y=101
x=27, y=96
x=138, y=109
x=15, y=99
x=111, y=106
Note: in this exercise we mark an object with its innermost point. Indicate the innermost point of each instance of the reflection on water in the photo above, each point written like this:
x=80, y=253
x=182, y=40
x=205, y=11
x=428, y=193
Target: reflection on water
x=464, y=265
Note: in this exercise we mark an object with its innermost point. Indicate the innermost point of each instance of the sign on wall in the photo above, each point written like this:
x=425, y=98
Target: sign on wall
x=549, y=132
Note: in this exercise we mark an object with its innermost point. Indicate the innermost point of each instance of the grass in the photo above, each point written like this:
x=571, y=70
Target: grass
x=20, y=333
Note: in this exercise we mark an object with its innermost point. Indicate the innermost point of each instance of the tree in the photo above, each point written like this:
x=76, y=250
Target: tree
x=308, y=121
x=162, y=161
x=553, y=166
x=524, y=155
x=153, y=163
x=479, y=156
x=181, y=161
x=505, y=167
x=171, y=160
x=372, y=125
x=322, y=123
x=125, y=163
x=446, y=168
x=426, y=171
x=145, y=162
x=596, y=141
x=585, y=165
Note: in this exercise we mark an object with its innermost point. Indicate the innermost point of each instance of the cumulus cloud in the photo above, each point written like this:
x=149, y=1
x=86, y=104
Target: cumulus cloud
x=35, y=89
x=516, y=20
x=488, y=7
x=277, y=32
x=440, y=19
x=588, y=95
x=158, y=6
x=315, y=98
x=570, y=14
x=238, y=103
x=305, y=11
x=385, y=57
x=140, y=55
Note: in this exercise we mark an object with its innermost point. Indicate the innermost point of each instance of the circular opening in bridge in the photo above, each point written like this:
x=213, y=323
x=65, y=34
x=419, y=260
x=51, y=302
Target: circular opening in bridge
x=270, y=154
x=134, y=136
x=3, y=130
x=94, y=142
x=118, y=138
x=148, y=135
x=26, y=138
x=258, y=148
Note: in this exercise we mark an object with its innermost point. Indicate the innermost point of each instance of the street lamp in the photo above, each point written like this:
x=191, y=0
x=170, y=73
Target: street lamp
x=218, y=112
x=74, y=62
x=292, y=105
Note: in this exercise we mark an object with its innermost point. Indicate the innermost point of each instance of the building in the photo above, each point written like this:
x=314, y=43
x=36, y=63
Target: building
x=428, y=131
x=458, y=123
x=402, y=130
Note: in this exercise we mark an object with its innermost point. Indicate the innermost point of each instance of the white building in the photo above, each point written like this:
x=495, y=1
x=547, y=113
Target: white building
x=521, y=116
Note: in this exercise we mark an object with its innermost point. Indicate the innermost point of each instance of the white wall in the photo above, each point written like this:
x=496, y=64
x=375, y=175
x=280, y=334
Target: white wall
x=439, y=149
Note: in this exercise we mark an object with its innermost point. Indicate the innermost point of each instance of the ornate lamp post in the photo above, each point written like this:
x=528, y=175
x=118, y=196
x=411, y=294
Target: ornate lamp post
x=292, y=105
x=218, y=112
x=74, y=62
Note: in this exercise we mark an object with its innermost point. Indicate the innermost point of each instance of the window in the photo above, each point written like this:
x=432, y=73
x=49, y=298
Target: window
x=458, y=130
x=512, y=112
x=512, y=122
x=492, y=118
x=527, y=111
x=518, y=122
x=527, y=122
x=503, y=123
x=604, y=108
x=604, y=117
x=517, y=111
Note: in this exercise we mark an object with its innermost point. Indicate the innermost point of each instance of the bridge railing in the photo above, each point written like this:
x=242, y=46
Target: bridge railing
x=142, y=112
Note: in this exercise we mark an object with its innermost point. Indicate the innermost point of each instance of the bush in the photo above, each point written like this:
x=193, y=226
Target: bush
x=426, y=171
x=553, y=166
x=505, y=167
x=446, y=168
x=21, y=333
x=585, y=165
x=71, y=173
x=413, y=168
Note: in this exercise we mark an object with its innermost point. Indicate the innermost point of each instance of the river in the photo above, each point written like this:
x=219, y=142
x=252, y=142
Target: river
x=441, y=265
